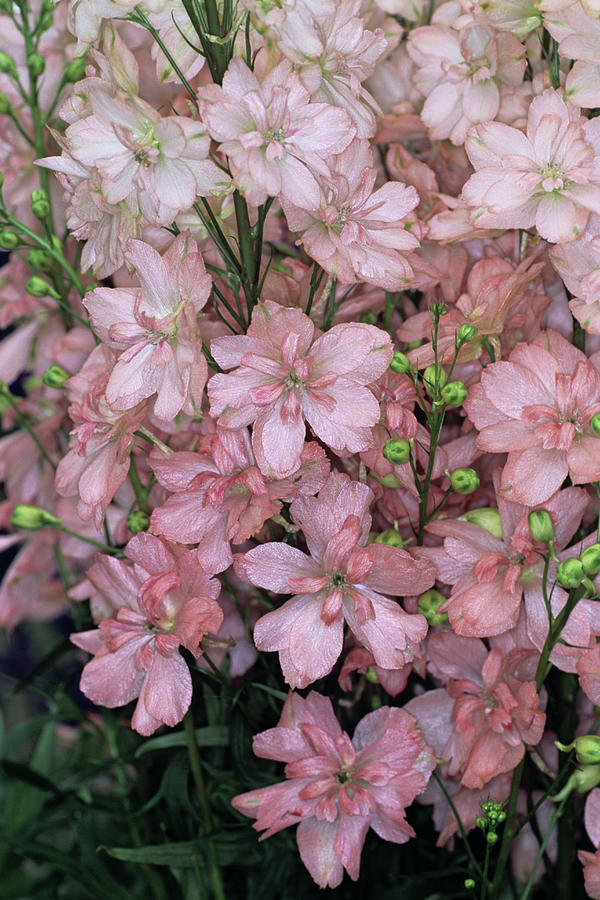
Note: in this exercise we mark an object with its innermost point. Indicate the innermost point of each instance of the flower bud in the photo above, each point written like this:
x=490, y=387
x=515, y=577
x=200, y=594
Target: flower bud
x=369, y=317
x=463, y=481
x=582, y=780
x=389, y=537
x=39, y=287
x=467, y=333
x=55, y=377
x=595, y=424
x=8, y=239
x=454, y=393
x=469, y=883
x=7, y=65
x=39, y=259
x=389, y=481
x=491, y=837
x=481, y=822
x=587, y=749
x=400, y=363
x=541, y=526
x=590, y=560
x=75, y=70
x=5, y=105
x=433, y=375
x=486, y=517
x=32, y=517
x=429, y=604
x=570, y=573
x=371, y=675
x=397, y=451
x=137, y=521
x=36, y=64
x=40, y=206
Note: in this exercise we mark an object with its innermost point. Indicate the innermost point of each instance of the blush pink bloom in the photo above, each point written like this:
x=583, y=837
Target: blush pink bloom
x=548, y=178
x=219, y=496
x=591, y=861
x=285, y=376
x=338, y=788
x=537, y=407
x=165, y=601
x=578, y=264
x=341, y=580
x=496, y=709
x=275, y=139
x=154, y=329
x=356, y=233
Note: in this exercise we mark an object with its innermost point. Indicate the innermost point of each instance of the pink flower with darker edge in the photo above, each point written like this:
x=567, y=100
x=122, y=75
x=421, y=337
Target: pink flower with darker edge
x=284, y=376
x=591, y=861
x=168, y=601
x=537, y=406
x=338, y=788
x=341, y=580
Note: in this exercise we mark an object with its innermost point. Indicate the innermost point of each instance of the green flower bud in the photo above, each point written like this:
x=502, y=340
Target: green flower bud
x=469, y=883
x=582, y=780
x=137, y=521
x=595, y=424
x=570, y=573
x=39, y=259
x=36, y=64
x=486, y=517
x=541, y=526
x=376, y=702
x=55, y=377
x=75, y=71
x=389, y=481
x=491, y=837
x=369, y=317
x=5, y=105
x=454, y=393
x=32, y=517
x=587, y=749
x=7, y=65
x=8, y=239
x=40, y=206
x=371, y=675
x=39, y=287
x=590, y=560
x=463, y=481
x=429, y=604
x=433, y=374
x=389, y=537
x=480, y=822
x=467, y=333
x=397, y=451
x=400, y=363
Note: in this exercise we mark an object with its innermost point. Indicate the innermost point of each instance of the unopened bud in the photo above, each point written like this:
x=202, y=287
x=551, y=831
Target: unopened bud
x=467, y=333
x=371, y=675
x=590, y=560
x=400, y=363
x=75, y=70
x=486, y=517
x=138, y=521
x=390, y=537
x=491, y=837
x=463, y=481
x=480, y=822
x=429, y=604
x=5, y=105
x=595, y=424
x=469, y=883
x=32, y=517
x=434, y=375
x=40, y=206
x=39, y=287
x=39, y=259
x=397, y=451
x=570, y=573
x=587, y=749
x=55, y=377
x=389, y=481
x=36, y=64
x=8, y=239
x=7, y=65
x=541, y=526
x=454, y=393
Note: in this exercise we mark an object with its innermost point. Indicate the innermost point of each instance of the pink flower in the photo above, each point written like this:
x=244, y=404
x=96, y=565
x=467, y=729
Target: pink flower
x=578, y=264
x=155, y=328
x=167, y=601
x=550, y=176
x=356, y=233
x=591, y=861
x=340, y=581
x=538, y=406
x=274, y=138
x=337, y=788
x=285, y=376
x=220, y=496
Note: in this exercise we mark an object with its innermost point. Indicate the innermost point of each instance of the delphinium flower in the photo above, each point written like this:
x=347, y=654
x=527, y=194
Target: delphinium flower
x=338, y=788
x=285, y=376
x=591, y=861
x=165, y=600
x=343, y=579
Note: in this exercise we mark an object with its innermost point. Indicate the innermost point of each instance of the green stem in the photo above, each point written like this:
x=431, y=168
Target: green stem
x=508, y=833
x=555, y=818
x=114, y=551
x=463, y=834
x=486, y=866
x=140, y=495
x=26, y=425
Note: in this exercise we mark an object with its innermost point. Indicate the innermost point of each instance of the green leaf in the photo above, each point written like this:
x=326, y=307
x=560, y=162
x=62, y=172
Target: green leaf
x=182, y=855
x=211, y=736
